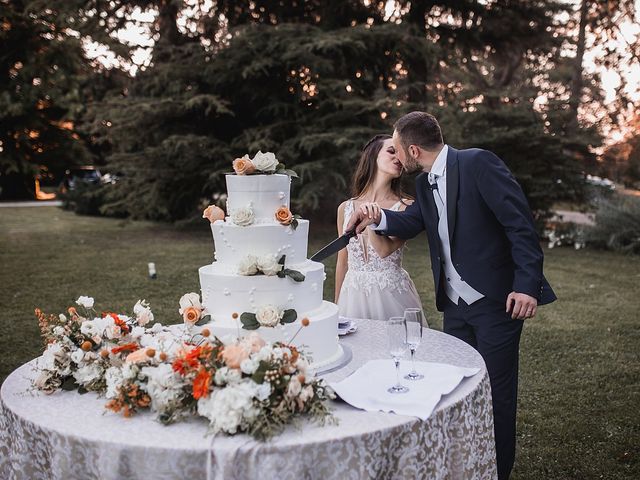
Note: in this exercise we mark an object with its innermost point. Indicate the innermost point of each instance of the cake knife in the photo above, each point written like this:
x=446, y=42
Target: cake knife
x=334, y=247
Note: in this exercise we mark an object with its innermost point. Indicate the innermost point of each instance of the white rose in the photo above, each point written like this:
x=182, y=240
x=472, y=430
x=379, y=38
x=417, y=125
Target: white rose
x=142, y=312
x=248, y=265
x=269, y=316
x=62, y=317
x=189, y=300
x=268, y=264
x=265, y=162
x=242, y=216
x=249, y=366
x=58, y=331
x=86, y=302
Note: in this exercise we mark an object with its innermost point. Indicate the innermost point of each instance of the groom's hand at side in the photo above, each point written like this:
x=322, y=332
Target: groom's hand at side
x=521, y=305
x=367, y=214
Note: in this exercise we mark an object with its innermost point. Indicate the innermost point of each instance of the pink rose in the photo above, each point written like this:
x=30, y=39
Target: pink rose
x=253, y=342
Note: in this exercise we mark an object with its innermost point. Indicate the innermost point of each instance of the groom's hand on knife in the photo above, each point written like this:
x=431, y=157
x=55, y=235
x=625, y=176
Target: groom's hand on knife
x=367, y=214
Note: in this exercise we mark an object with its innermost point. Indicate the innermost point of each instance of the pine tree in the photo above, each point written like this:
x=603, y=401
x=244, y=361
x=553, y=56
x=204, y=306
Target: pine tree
x=40, y=96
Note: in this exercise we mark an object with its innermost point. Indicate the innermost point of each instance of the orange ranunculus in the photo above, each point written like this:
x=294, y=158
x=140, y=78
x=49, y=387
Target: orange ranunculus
x=191, y=315
x=233, y=355
x=243, y=166
x=201, y=384
x=213, y=213
x=284, y=216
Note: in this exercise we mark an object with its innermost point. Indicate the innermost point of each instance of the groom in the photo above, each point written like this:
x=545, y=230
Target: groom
x=485, y=255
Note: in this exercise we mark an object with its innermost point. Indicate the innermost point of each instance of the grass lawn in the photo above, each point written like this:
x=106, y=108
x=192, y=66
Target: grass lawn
x=579, y=369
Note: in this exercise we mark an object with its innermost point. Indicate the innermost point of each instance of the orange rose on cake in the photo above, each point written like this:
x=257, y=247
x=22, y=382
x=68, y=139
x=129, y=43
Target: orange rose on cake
x=213, y=213
x=284, y=215
x=243, y=166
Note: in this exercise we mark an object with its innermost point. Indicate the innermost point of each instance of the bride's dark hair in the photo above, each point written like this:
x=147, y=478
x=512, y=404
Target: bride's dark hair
x=368, y=166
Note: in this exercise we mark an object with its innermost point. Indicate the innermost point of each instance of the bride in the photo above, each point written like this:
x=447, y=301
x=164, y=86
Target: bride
x=370, y=281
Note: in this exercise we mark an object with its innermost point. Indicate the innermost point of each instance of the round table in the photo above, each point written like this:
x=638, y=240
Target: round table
x=71, y=436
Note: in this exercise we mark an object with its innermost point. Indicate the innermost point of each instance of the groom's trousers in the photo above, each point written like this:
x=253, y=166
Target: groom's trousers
x=496, y=336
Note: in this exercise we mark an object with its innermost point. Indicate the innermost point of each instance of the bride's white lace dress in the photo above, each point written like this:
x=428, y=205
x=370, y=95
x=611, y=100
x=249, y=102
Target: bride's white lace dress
x=374, y=287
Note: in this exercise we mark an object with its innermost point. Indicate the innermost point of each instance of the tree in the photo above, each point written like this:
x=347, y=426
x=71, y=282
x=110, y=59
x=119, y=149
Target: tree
x=42, y=70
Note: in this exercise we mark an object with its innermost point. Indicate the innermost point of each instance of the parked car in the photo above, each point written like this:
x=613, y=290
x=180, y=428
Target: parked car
x=87, y=174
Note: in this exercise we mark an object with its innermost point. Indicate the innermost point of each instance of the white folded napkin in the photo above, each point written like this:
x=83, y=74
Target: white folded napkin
x=366, y=388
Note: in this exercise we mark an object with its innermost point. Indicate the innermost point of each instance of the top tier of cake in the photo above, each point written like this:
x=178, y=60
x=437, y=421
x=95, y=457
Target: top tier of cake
x=263, y=194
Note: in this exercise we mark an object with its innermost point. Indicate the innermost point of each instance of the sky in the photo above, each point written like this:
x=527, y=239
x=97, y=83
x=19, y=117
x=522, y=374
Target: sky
x=137, y=34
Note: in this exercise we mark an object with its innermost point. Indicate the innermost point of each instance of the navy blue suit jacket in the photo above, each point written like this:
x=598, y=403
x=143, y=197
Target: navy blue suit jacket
x=494, y=245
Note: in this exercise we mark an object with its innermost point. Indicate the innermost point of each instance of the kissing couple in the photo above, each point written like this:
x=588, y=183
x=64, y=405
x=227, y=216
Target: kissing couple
x=485, y=253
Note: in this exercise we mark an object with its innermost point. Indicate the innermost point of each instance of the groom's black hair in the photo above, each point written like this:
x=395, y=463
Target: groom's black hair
x=421, y=129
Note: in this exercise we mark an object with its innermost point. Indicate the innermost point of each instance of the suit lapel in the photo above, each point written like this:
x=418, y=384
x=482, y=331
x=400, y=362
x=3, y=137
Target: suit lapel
x=453, y=181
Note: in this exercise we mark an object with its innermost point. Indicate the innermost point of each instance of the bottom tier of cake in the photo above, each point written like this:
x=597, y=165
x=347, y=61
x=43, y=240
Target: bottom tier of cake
x=319, y=339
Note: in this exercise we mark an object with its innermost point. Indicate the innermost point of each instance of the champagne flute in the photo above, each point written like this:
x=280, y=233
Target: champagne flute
x=397, y=338
x=414, y=319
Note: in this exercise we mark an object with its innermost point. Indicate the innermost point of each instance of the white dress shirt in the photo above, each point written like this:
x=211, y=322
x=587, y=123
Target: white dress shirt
x=455, y=287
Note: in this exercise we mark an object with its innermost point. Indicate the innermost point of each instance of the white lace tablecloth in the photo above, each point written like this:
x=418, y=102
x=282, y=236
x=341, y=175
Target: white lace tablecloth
x=71, y=436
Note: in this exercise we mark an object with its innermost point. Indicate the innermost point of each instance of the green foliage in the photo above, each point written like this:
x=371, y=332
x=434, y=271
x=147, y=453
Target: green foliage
x=42, y=71
x=617, y=225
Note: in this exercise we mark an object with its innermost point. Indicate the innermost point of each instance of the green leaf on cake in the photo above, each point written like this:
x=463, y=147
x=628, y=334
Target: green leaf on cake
x=294, y=223
x=203, y=320
x=249, y=321
x=294, y=275
x=281, y=261
x=291, y=173
x=289, y=316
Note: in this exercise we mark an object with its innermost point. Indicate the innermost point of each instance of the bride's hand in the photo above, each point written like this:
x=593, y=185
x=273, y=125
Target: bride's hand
x=367, y=214
x=371, y=210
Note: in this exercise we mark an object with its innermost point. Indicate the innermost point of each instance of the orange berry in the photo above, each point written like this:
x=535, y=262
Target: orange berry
x=86, y=345
x=104, y=353
x=301, y=378
x=151, y=352
x=305, y=322
x=234, y=315
x=163, y=356
x=205, y=332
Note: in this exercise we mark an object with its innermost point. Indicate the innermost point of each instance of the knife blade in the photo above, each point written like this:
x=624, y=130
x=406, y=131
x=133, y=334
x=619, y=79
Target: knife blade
x=334, y=247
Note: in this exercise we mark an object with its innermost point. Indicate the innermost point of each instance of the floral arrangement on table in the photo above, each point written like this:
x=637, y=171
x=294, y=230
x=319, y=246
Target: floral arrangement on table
x=267, y=265
x=244, y=385
x=261, y=164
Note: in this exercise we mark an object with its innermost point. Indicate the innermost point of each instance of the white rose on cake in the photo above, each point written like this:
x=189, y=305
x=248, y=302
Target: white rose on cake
x=248, y=265
x=189, y=300
x=269, y=316
x=242, y=216
x=265, y=162
x=268, y=264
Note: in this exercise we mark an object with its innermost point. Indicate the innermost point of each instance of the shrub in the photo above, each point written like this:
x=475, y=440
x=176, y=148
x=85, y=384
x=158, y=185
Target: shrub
x=617, y=225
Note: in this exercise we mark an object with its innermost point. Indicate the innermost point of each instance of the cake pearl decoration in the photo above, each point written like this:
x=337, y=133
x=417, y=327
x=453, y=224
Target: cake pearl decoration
x=281, y=195
x=226, y=292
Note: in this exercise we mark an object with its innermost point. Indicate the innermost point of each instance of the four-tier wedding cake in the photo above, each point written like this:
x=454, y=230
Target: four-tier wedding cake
x=261, y=278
